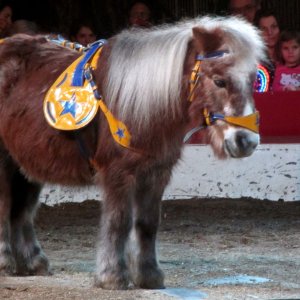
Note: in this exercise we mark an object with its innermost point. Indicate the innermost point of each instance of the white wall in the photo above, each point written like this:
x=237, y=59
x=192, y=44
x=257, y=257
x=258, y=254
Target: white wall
x=272, y=172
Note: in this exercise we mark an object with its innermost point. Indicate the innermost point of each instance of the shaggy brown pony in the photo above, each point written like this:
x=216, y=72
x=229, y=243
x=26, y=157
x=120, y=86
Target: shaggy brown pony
x=144, y=78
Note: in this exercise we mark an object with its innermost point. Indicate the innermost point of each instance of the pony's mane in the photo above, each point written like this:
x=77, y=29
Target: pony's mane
x=146, y=66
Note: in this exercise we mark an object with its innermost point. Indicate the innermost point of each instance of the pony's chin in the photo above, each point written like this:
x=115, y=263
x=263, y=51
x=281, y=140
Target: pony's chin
x=237, y=143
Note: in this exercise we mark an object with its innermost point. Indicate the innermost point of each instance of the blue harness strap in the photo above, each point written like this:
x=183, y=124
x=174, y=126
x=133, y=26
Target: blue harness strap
x=210, y=55
x=61, y=41
x=78, y=77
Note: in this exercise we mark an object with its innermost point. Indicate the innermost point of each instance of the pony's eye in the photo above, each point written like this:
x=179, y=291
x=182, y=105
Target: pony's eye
x=220, y=83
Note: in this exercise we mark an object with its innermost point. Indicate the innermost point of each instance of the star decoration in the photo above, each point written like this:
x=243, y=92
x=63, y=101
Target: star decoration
x=120, y=133
x=69, y=106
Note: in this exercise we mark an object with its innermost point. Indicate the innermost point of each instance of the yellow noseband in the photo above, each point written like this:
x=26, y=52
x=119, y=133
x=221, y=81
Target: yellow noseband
x=250, y=122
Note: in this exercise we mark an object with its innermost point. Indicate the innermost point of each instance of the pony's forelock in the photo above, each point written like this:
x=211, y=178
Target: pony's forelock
x=146, y=66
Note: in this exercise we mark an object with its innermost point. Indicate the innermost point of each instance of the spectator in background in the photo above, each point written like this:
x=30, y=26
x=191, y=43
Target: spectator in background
x=83, y=33
x=244, y=8
x=139, y=15
x=24, y=26
x=287, y=73
x=6, y=12
x=268, y=24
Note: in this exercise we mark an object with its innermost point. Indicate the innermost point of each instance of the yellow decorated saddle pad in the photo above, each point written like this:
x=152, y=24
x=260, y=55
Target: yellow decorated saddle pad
x=73, y=100
x=70, y=103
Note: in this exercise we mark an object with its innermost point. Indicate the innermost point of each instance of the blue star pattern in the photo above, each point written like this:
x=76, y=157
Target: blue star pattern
x=120, y=133
x=69, y=106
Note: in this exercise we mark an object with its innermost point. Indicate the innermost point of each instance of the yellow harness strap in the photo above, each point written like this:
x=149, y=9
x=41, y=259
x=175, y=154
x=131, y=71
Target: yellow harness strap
x=69, y=107
x=194, y=79
x=118, y=129
x=250, y=122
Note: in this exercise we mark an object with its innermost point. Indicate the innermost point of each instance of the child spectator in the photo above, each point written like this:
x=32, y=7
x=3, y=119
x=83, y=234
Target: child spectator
x=287, y=73
x=83, y=33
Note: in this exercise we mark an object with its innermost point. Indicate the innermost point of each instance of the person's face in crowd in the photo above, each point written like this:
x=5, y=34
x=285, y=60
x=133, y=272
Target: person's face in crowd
x=270, y=30
x=290, y=51
x=245, y=8
x=139, y=15
x=5, y=18
x=85, y=36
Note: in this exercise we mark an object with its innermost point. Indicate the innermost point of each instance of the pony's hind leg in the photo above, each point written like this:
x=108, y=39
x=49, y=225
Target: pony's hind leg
x=30, y=259
x=7, y=262
x=115, y=225
x=141, y=250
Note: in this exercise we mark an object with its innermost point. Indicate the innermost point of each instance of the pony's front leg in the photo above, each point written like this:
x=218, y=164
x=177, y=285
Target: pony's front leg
x=141, y=251
x=116, y=222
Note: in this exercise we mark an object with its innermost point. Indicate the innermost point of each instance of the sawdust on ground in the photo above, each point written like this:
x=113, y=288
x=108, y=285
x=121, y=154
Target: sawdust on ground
x=200, y=240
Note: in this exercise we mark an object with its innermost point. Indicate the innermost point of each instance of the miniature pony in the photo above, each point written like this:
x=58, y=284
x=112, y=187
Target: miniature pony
x=148, y=80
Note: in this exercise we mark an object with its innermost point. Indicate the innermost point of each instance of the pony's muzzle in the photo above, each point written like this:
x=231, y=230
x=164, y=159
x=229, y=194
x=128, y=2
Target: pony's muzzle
x=242, y=143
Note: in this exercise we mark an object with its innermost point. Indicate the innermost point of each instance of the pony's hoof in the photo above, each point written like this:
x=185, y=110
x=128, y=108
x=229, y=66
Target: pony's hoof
x=150, y=279
x=7, y=266
x=111, y=282
x=39, y=265
x=7, y=271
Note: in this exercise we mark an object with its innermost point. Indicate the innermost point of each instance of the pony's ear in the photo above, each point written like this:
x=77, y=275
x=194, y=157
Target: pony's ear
x=207, y=40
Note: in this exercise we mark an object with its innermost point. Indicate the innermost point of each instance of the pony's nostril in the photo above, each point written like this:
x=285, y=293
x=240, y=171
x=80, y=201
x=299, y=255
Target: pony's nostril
x=244, y=142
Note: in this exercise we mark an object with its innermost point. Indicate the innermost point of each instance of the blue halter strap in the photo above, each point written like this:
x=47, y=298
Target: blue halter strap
x=78, y=77
x=212, y=55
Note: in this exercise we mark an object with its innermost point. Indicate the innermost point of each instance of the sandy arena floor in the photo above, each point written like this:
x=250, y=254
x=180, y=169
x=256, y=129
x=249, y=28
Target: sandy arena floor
x=208, y=248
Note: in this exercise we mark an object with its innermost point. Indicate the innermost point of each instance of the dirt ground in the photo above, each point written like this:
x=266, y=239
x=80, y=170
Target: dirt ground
x=208, y=249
